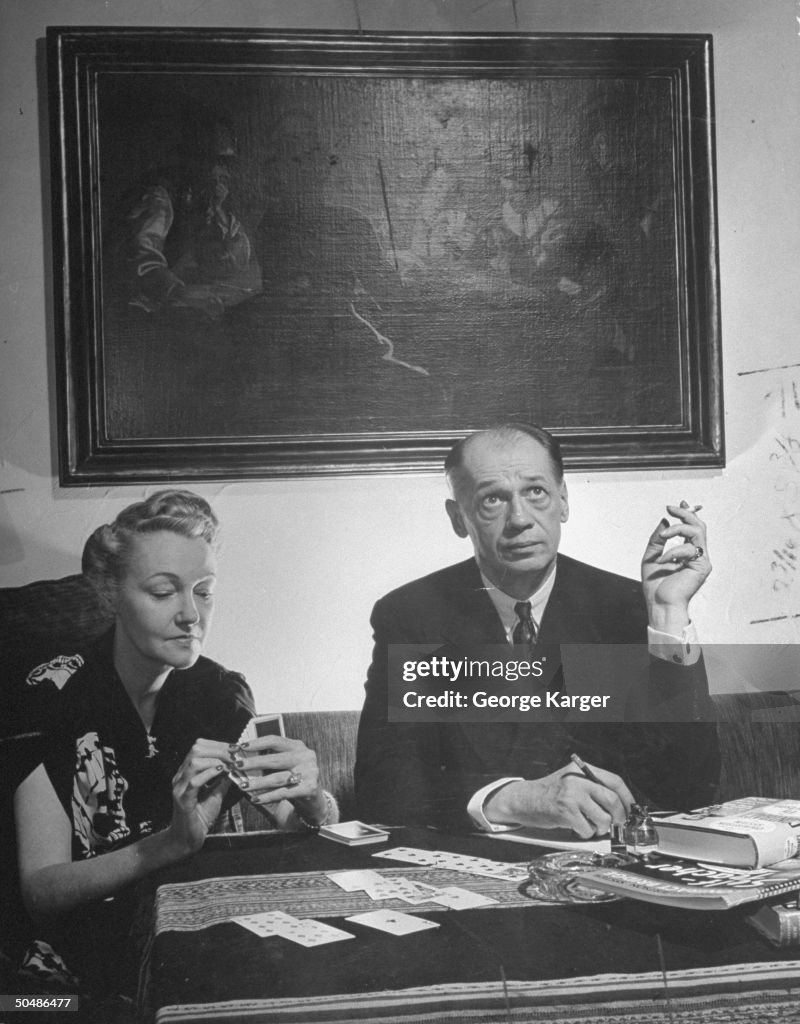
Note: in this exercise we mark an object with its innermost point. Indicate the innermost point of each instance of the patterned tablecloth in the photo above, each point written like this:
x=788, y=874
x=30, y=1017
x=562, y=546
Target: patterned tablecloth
x=513, y=962
x=189, y=906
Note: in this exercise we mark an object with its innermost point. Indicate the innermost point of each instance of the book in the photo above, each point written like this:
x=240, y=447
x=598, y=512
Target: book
x=674, y=882
x=749, y=833
x=778, y=923
x=354, y=833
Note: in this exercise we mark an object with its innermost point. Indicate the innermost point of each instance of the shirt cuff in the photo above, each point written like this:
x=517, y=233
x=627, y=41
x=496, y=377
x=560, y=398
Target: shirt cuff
x=478, y=801
x=683, y=650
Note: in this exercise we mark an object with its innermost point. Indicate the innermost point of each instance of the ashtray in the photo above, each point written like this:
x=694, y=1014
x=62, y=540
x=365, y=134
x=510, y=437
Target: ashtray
x=552, y=877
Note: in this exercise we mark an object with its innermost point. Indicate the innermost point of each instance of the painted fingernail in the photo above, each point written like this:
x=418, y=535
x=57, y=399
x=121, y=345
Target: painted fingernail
x=238, y=760
x=220, y=768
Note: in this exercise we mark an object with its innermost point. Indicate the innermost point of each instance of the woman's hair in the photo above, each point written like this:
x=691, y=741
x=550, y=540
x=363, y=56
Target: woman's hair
x=105, y=554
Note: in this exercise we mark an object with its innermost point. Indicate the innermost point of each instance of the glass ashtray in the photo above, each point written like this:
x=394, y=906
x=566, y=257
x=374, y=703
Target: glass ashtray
x=552, y=877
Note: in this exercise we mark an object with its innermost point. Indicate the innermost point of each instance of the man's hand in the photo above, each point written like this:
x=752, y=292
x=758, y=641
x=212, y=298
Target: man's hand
x=671, y=578
x=564, y=799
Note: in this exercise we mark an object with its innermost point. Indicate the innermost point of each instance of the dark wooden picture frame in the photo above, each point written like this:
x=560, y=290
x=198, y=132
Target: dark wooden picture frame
x=290, y=253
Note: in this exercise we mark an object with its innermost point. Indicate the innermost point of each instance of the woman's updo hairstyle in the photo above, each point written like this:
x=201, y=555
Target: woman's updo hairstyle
x=105, y=554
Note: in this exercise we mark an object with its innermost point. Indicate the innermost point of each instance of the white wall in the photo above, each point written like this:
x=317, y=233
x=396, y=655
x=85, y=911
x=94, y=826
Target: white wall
x=324, y=550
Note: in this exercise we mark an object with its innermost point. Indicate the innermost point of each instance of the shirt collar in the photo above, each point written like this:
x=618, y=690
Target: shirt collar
x=504, y=603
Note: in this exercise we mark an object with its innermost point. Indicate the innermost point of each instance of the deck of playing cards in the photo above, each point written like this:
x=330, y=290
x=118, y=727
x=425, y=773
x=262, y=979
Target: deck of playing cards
x=354, y=833
x=263, y=725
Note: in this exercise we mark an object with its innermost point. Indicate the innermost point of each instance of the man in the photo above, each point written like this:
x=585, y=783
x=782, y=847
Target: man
x=510, y=499
x=183, y=246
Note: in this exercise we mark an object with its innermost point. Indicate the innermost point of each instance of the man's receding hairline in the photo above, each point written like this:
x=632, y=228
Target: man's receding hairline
x=498, y=434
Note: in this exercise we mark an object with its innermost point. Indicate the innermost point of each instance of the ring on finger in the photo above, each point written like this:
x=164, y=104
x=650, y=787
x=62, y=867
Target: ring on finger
x=698, y=553
x=240, y=778
x=295, y=778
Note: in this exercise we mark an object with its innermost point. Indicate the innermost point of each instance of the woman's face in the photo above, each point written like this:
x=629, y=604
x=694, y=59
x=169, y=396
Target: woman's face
x=165, y=601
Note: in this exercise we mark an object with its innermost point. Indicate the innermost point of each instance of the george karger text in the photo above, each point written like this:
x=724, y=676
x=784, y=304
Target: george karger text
x=520, y=701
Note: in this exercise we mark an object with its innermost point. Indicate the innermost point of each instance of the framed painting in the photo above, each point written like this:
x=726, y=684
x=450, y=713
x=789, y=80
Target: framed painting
x=283, y=253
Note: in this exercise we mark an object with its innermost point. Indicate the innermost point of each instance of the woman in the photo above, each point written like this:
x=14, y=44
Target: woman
x=144, y=745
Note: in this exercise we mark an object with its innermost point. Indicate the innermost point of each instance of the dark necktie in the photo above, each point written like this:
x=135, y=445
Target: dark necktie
x=525, y=630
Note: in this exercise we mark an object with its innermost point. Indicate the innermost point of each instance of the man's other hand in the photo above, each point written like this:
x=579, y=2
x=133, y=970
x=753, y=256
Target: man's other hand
x=672, y=576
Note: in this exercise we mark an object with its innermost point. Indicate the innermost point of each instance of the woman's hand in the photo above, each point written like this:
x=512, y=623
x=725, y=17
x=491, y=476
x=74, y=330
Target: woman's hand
x=274, y=768
x=198, y=789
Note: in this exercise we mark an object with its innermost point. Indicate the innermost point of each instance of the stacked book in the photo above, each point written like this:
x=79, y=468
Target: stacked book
x=743, y=851
x=749, y=833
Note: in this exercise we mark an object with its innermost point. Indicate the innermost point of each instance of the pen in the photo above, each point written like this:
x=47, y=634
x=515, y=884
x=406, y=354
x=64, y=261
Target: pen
x=584, y=767
x=617, y=843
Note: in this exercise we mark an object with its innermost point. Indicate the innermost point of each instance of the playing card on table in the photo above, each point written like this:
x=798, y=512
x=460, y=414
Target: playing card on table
x=458, y=861
x=305, y=932
x=420, y=893
x=396, y=888
x=408, y=854
x=352, y=881
x=261, y=924
x=506, y=872
x=481, y=866
x=461, y=899
x=395, y=922
x=314, y=933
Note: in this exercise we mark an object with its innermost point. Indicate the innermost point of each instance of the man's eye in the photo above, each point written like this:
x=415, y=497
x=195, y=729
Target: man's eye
x=491, y=501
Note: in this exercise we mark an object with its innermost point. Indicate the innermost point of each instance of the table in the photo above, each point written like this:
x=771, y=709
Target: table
x=517, y=962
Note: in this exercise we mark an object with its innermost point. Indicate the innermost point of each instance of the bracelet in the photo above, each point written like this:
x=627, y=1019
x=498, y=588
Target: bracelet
x=330, y=812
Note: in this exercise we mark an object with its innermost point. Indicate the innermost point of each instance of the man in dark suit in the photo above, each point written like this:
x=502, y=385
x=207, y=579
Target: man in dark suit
x=510, y=499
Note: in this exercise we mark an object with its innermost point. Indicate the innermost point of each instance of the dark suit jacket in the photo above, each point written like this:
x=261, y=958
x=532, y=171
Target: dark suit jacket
x=426, y=772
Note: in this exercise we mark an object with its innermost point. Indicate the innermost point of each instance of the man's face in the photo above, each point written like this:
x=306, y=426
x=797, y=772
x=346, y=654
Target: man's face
x=509, y=501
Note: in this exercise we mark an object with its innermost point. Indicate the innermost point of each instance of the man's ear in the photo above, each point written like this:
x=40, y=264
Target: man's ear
x=456, y=519
x=564, y=498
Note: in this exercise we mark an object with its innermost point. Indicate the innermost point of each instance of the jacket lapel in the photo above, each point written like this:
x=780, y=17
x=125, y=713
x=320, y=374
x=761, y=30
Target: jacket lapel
x=568, y=617
x=470, y=618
